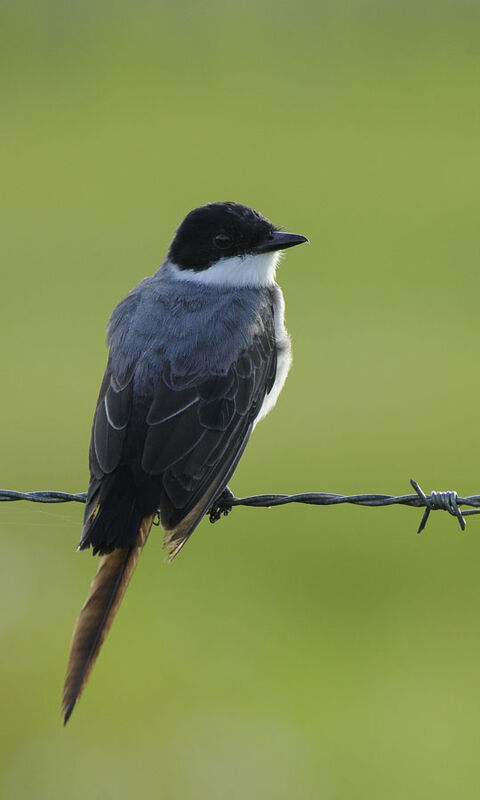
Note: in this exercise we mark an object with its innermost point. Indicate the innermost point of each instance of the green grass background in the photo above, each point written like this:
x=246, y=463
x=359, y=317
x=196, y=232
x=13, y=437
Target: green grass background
x=293, y=652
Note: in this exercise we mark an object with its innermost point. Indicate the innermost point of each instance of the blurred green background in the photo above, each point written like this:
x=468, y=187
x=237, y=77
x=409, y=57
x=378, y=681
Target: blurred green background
x=293, y=652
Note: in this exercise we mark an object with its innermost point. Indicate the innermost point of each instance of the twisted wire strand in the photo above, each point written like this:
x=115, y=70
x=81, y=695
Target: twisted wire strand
x=48, y=496
x=435, y=501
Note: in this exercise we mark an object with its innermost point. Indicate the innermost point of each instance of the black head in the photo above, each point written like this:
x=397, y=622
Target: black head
x=223, y=230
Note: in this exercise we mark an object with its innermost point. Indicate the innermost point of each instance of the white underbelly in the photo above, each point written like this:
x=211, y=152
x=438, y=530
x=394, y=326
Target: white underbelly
x=284, y=356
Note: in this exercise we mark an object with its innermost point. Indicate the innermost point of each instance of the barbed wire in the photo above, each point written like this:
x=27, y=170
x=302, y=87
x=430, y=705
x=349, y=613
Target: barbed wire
x=435, y=501
x=48, y=496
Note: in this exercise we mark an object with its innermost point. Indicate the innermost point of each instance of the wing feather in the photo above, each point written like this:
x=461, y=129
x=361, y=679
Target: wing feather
x=179, y=438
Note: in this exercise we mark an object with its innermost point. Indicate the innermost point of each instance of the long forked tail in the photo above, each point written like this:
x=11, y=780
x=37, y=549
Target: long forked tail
x=96, y=617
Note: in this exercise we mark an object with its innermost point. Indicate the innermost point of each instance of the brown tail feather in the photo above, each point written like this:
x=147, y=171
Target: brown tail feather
x=96, y=617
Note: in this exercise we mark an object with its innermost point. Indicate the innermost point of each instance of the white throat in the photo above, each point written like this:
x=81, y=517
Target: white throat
x=248, y=270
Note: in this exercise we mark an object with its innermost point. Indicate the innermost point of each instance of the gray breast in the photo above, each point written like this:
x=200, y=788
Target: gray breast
x=198, y=330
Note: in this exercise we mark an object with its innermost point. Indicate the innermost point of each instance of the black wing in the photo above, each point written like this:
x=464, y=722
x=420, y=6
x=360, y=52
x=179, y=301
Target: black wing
x=174, y=451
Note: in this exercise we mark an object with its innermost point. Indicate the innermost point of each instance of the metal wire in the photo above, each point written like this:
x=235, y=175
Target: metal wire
x=435, y=501
x=48, y=496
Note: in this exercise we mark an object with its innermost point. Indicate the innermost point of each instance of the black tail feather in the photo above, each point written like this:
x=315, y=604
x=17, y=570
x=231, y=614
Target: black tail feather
x=112, y=516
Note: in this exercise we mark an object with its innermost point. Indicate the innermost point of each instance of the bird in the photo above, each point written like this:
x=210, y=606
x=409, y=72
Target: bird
x=198, y=355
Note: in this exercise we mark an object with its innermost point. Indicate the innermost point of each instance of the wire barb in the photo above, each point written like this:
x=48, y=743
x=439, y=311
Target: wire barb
x=445, y=501
x=435, y=501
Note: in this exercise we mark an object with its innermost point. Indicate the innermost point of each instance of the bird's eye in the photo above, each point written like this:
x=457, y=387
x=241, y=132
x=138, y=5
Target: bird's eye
x=222, y=240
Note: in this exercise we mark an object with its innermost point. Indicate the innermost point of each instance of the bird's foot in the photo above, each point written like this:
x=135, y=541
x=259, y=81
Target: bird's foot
x=222, y=506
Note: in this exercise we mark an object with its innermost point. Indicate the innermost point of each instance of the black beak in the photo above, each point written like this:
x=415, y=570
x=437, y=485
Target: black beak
x=280, y=241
